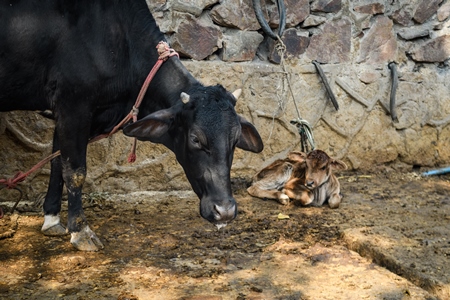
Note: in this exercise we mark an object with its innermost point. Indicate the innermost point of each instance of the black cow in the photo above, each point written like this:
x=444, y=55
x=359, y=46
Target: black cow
x=85, y=61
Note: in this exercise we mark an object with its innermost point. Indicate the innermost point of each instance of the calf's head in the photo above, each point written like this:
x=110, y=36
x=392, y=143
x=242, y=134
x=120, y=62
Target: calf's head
x=203, y=130
x=319, y=166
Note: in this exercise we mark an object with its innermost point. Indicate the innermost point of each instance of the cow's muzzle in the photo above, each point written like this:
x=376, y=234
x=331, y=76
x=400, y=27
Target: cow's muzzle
x=224, y=214
x=218, y=213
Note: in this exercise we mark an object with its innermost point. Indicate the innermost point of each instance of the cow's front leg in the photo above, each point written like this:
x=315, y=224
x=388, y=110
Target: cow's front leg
x=73, y=134
x=82, y=237
x=52, y=204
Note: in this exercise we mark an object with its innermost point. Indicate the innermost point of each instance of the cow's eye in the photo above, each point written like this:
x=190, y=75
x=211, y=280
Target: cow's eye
x=323, y=168
x=198, y=143
x=195, y=141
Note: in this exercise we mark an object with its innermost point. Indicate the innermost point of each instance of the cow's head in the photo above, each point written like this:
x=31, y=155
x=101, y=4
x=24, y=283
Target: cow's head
x=203, y=130
x=319, y=166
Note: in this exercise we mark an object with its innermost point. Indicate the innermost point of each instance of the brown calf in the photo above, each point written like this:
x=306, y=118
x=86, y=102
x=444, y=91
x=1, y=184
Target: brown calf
x=307, y=178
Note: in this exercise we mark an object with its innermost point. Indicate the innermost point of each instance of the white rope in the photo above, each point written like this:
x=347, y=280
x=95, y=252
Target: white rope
x=303, y=127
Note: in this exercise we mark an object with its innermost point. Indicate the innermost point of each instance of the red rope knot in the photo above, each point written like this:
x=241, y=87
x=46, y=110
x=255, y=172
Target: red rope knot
x=132, y=155
x=11, y=183
x=134, y=113
x=164, y=51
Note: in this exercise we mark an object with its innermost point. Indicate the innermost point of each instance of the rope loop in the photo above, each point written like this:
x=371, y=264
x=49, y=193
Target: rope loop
x=164, y=51
x=280, y=47
x=306, y=135
x=11, y=183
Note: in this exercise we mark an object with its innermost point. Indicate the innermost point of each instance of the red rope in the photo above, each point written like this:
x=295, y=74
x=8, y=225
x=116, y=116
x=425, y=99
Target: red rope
x=164, y=52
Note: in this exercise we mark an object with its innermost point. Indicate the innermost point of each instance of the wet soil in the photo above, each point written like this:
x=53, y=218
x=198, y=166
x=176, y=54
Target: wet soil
x=390, y=239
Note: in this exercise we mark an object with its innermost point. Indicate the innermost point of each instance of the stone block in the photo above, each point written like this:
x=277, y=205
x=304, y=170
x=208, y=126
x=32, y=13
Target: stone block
x=333, y=45
x=225, y=14
x=194, y=7
x=240, y=45
x=296, y=12
x=296, y=43
x=369, y=76
x=436, y=50
x=196, y=38
x=426, y=9
x=405, y=13
x=328, y=6
x=411, y=33
x=372, y=8
x=443, y=12
x=313, y=20
x=379, y=45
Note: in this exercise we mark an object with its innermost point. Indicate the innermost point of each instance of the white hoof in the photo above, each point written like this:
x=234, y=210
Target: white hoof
x=283, y=199
x=52, y=226
x=86, y=240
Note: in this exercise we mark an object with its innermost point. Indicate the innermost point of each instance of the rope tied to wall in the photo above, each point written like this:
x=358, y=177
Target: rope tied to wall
x=303, y=127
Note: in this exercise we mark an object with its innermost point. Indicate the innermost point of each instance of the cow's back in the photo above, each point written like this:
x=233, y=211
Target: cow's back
x=49, y=49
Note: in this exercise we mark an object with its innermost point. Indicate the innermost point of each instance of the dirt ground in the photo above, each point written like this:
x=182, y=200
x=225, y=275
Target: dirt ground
x=390, y=239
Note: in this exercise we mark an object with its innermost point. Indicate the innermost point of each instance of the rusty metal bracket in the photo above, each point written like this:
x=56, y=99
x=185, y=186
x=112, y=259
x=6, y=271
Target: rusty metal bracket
x=394, y=85
x=327, y=85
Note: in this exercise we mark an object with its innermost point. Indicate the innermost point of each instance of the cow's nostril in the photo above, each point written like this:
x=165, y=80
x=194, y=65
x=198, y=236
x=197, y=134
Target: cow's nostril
x=224, y=213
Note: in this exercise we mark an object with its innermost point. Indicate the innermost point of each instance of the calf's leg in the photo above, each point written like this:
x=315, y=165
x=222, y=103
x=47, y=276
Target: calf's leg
x=334, y=189
x=335, y=200
x=295, y=190
x=258, y=192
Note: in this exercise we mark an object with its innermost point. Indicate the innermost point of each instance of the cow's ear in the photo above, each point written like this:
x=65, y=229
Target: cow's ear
x=297, y=156
x=153, y=127
x=338, y=165
x=249, y=140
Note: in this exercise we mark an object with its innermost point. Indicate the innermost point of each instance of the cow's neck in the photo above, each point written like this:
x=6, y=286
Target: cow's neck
x=170, y=80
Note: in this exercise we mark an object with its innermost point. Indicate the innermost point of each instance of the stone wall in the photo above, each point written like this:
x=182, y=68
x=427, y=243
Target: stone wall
x=221, y=42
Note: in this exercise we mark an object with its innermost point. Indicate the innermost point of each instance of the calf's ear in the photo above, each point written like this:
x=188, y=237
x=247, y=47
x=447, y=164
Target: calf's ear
x=297, y=156
x=338, y=165
x=153, y=127
x=249, y=140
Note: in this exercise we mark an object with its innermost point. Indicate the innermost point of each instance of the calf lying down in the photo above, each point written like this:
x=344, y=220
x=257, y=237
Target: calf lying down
x=306, y=178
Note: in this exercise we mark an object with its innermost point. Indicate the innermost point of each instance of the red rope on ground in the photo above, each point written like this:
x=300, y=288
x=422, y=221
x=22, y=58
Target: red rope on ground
x=164, y=52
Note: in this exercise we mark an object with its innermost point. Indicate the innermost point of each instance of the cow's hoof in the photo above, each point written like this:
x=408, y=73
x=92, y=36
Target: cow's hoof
x=86, y=240
x=52, y=226
x=55, y=230
x=283, y=199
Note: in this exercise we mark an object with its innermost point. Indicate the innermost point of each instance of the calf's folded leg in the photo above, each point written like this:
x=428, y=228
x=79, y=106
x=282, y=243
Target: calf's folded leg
x=258, y=192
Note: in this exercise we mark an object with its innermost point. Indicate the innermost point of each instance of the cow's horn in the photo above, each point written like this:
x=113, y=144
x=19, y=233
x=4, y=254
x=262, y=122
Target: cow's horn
x=237, y=93
x=184, y=97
